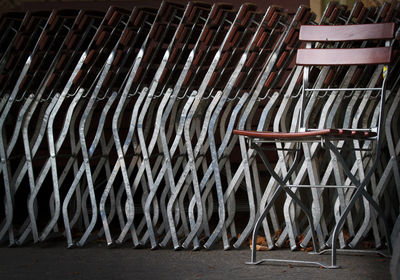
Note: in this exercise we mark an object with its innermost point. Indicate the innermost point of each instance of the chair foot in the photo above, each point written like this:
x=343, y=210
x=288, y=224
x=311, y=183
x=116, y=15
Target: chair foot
x=113, y=244
x=354, y=251
x=72, y=245
x=311, y=263
x=198, y=248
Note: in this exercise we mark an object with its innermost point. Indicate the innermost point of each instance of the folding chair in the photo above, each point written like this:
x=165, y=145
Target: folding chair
x=17, y=67
x=332, y=57
x=77, y=60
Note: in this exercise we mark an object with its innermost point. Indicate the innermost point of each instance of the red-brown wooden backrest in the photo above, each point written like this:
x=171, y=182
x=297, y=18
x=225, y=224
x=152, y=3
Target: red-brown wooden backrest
x=344, y=56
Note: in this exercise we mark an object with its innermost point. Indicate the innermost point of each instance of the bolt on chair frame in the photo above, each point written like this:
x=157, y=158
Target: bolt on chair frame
x=328, y=57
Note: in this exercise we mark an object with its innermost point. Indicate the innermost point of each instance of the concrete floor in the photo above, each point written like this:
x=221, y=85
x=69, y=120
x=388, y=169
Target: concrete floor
x=95, y=261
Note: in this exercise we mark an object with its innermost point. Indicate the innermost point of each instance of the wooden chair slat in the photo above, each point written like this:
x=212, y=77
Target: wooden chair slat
x=340, y=33
x=361, y=56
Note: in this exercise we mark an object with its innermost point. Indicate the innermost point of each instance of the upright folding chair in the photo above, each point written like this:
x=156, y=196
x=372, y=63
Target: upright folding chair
x=353, y=39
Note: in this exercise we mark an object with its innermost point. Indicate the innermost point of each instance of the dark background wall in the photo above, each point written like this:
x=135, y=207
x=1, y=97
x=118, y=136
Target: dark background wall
x=23, y=5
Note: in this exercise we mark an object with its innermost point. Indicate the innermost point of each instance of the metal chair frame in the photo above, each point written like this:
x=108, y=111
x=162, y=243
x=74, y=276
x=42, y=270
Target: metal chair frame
x=305, y=135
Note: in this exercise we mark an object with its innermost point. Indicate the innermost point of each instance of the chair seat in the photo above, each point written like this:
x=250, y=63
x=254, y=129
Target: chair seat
x=307, y=135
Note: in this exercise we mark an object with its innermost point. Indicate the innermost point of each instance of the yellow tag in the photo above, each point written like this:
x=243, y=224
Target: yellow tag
x=385, y=69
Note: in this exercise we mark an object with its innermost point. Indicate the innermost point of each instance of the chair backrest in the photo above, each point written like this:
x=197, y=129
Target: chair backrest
x=350, y=54
x=345, y=56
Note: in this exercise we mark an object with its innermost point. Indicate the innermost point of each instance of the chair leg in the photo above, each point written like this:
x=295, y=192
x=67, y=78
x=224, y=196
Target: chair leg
x=282, y=186
x=259, y=222
x=340, y=223
x=282, y=183
x=359, y=193
x=382, y=216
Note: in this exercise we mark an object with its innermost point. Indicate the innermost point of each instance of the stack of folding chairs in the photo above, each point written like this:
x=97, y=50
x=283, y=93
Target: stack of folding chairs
x=118, y=125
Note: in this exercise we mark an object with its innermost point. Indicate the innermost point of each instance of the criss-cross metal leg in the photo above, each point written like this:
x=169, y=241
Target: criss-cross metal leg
x=360, y=191
x=282, y=186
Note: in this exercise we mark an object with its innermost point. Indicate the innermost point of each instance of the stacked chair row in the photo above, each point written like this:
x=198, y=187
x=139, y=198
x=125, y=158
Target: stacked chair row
x=119, y=125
